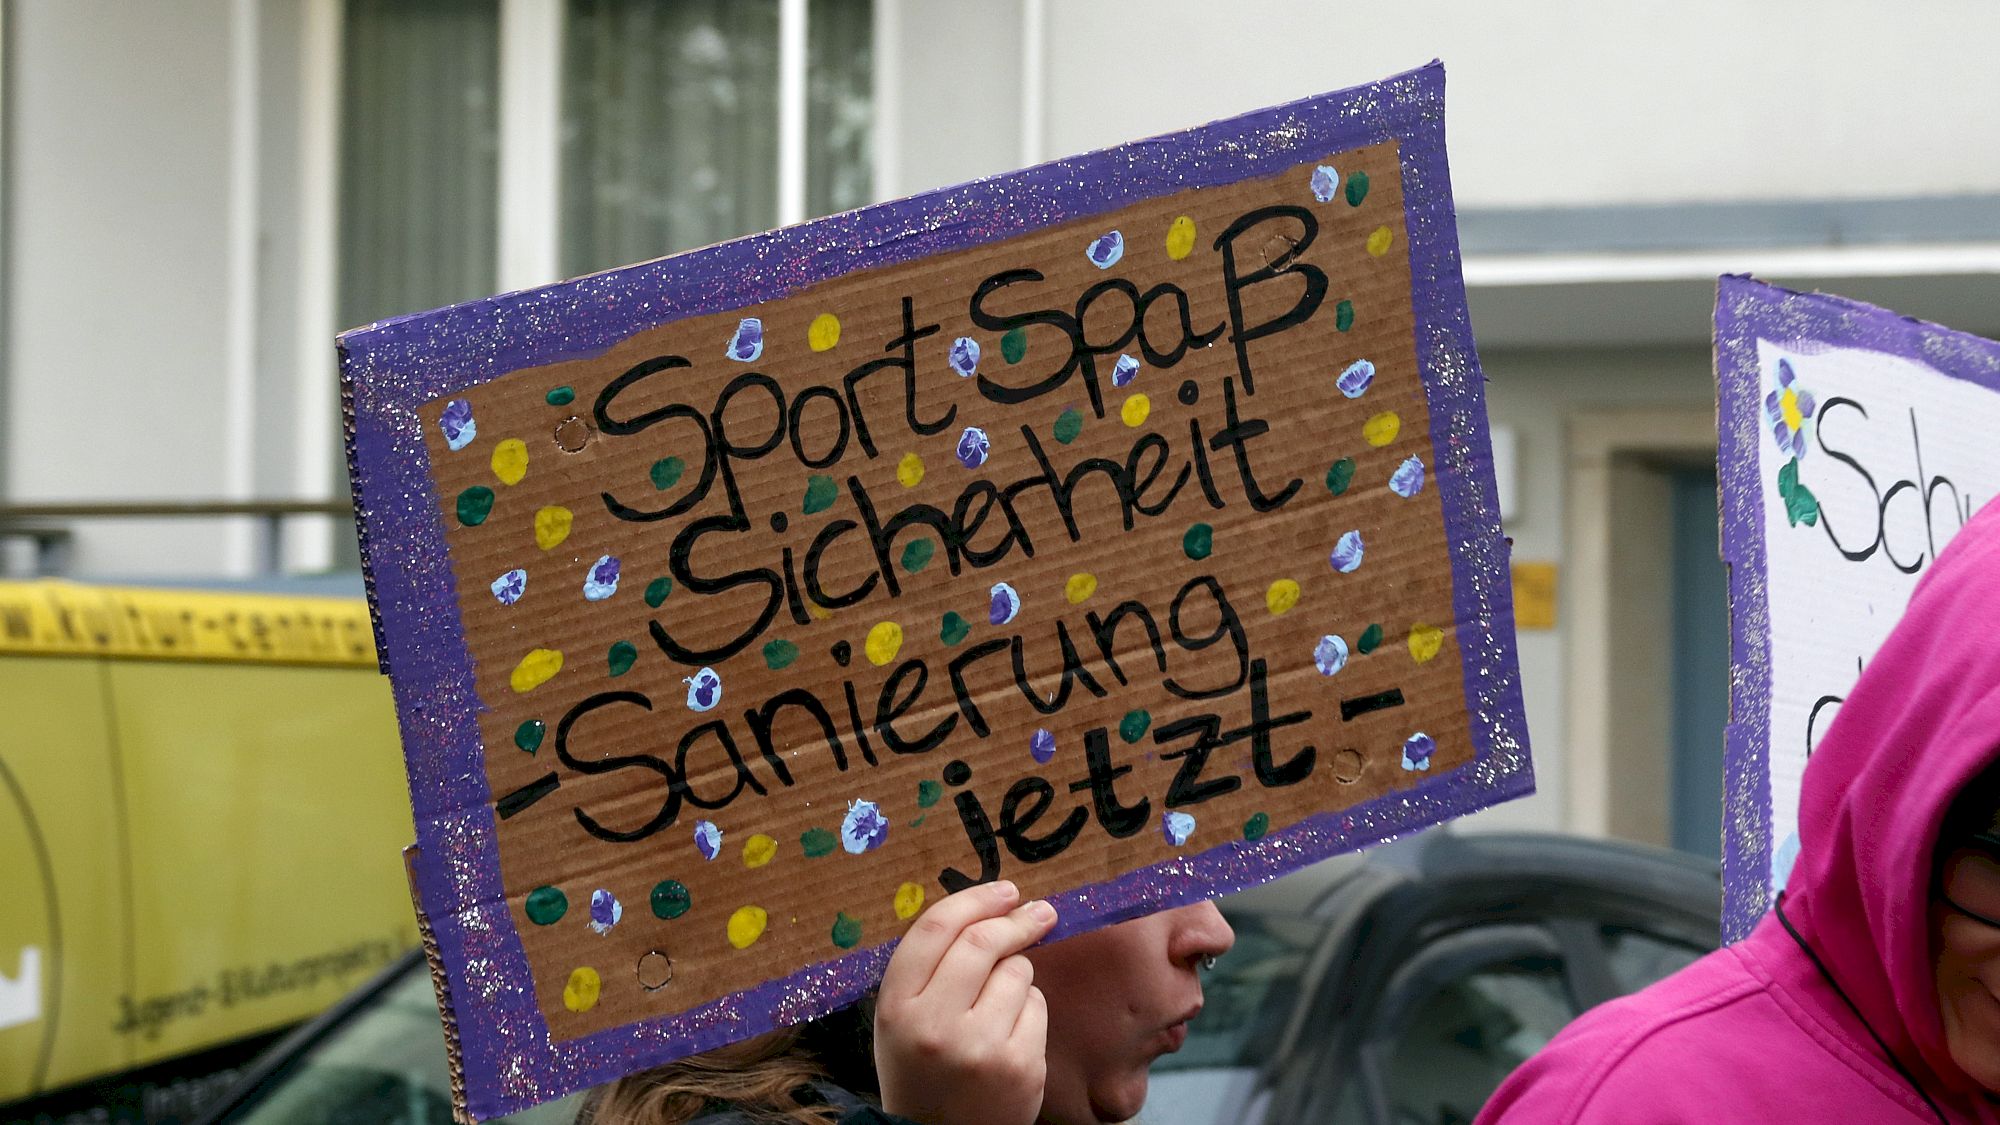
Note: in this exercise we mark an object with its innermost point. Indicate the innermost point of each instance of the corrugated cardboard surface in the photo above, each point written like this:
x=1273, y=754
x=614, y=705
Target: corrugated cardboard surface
x=574, y=462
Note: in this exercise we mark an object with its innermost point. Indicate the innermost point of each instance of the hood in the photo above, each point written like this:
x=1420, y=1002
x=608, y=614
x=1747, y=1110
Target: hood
x=1922, y=721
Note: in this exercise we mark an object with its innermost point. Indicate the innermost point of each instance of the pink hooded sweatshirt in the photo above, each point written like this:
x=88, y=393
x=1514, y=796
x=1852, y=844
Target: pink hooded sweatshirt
x=1754, y=1032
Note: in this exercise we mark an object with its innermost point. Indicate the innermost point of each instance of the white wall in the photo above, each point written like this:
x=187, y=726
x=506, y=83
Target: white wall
x=1576, y=101
x=117, y=218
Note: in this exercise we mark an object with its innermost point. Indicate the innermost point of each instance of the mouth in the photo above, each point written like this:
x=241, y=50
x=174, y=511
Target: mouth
x=1176, y=1033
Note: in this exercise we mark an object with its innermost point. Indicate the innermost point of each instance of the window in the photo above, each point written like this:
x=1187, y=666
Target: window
x=668, y=135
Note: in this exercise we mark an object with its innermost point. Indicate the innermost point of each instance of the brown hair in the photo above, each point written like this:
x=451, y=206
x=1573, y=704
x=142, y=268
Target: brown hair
x=768, y=1078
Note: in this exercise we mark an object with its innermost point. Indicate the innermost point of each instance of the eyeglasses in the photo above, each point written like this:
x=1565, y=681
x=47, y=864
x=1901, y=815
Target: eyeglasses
x=1969, y=879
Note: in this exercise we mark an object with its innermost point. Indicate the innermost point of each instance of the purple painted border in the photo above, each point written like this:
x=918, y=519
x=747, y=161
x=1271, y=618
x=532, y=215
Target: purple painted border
x=392, y=367
x=1745, y=312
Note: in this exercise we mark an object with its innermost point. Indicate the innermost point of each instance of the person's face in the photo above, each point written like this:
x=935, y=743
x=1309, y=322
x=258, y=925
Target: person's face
x=1965, y=923
x=1119, y=998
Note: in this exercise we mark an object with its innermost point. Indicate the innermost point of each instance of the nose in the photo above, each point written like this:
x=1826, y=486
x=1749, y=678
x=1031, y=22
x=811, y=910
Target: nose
x=1200, y=931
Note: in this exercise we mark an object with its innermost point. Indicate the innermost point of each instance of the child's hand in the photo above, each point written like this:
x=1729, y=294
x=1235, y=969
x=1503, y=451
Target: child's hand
x=961, y=1031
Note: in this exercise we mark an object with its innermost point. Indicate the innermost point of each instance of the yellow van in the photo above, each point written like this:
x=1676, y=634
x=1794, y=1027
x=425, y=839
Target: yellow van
x=202, y=812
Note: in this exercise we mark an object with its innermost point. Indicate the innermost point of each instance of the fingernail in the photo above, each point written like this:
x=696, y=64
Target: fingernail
x=1005, y=888
x=1041, y=911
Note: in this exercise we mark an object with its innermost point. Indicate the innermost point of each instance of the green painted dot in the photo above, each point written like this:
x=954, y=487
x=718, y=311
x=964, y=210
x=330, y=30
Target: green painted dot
x=658, y=589
x=474, y=505
x=1343, y=315
x=779, y=654
x=917, y=555
x=820, y=493
x=622, y=657
x=1371, y=639
x=528, y=736
x=1068, y=425
x=1199, y=541
x=955, y=629
x=666, y=472
x=1133, y=726
x=546, y=906
x=919, y=822
x=1340, y=476
x=670, y=899
x=1014, y=345
x=1357, y=188
x=816, y=842
x=928, y=793
x=1256, y=826
x=562, y=396
x=846, y=931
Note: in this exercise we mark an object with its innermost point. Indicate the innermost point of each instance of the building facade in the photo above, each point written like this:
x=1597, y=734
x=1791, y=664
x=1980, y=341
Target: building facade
x=198, y=194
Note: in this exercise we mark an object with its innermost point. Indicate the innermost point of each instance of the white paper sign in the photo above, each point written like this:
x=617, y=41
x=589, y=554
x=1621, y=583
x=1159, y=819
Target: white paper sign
x=1853, y=449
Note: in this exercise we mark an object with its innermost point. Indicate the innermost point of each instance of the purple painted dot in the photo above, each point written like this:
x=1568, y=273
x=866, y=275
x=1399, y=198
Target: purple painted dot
x=747, y=345
x=1106, y=250
x=1042, y=746
x=973, y=446
x=1408, y=479
x=1177, y=827
x=864, y=828
x=1346, y=557
x=1330, y=655
x=602, y=581
x=456, y=424
x=1005, y=604
x=1124, y=371
x=964, y=356
x=704, y=690
x=604, y=911
x=1325, y=183
x=707, y=839
x=509, y=587
x=1354, y=381
x=1417, y=751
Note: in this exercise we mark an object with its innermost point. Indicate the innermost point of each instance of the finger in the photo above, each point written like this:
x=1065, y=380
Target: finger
x=1031, y=1030
x=917, y=955
x=963, y=970
x=999, y=1003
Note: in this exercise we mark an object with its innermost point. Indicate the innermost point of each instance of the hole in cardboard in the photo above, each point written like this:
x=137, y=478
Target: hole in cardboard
x=572, y=434
x=1347, y=766
x=656, y=969
x=1279, y=250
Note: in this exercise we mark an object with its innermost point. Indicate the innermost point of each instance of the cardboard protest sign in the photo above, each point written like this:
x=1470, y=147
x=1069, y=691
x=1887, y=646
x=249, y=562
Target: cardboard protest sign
x=1124, y=527
x=1854, y=444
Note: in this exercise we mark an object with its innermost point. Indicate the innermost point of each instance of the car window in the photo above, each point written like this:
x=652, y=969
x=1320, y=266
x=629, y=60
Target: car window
x=384, y=1066
x=1461, y=1041
x=1637, y=958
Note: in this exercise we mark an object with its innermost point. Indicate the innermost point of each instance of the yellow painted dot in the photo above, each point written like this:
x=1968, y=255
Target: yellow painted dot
x=1135, y=410
x=1283, y=595
x=552, y=526
x=510, y=460
x=910, y=471
x=580, y=994
x=759, y=850
x=1382, y=429
x=1079, y=587
x=747, y=925
x=884, y=641
x=1425, y=641
x=1378, y=242
x=1180, y=238
x=817, y=611
x=536, y=669
x=909, y=900
x=824, y=332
